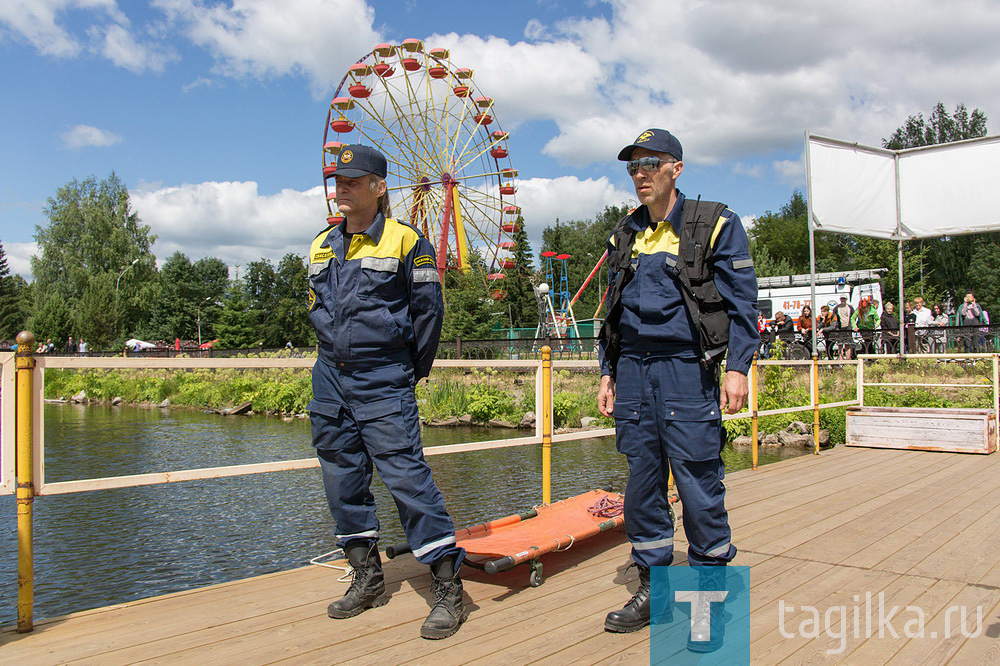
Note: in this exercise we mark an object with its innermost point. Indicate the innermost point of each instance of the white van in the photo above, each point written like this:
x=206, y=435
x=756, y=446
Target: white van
x=789, y=293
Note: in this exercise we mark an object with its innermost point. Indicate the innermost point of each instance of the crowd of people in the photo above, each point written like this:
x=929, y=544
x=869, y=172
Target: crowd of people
x=843, y=330
x=71, y=347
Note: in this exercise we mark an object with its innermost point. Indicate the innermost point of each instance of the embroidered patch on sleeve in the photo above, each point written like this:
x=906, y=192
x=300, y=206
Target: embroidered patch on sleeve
x=312, y=299
x=424, y=260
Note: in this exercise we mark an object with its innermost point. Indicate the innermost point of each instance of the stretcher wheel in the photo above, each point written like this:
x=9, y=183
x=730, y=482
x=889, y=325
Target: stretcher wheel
x=535, y=577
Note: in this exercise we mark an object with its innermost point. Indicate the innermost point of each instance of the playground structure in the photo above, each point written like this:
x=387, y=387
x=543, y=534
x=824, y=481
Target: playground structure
x=450, y=173
x=555, y=322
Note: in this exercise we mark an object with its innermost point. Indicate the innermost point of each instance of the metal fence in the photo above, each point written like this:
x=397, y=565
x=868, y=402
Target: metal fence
x=983, y=339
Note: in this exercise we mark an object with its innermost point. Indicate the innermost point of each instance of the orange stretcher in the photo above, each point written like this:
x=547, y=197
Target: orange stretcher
x=502, y=544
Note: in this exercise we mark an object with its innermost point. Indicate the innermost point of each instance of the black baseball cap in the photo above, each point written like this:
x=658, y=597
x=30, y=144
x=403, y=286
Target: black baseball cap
x=356, y=160
x=657, y=140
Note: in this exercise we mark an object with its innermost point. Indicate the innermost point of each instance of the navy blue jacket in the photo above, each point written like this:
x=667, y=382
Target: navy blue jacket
x=377, y=300
x=654, y=317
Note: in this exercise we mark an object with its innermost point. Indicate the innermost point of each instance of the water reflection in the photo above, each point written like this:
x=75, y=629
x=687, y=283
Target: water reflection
x=103, y=547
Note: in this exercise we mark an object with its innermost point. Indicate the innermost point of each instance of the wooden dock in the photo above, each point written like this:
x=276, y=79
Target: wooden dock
x=920, y=528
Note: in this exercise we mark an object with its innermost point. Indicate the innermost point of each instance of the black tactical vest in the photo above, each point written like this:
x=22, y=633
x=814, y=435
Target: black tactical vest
x=695, y=270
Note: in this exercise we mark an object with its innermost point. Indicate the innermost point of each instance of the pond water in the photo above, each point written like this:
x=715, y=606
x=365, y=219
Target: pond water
x=98, y=548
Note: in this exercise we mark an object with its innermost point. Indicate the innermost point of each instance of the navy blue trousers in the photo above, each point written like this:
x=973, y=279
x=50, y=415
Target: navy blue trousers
x=364, y=415
x=667, y=415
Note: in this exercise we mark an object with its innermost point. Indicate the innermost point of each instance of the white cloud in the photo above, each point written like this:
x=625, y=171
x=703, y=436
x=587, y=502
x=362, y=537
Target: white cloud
x=82, y=136
x=543, y=81
x=231, y=220
x=751, y=170
x=792, y=172
x=543, y=200
x=739, y=78
x=200, y=82
x=121, y=48
x=35, y=22
x=19, y=257
x=315, y=38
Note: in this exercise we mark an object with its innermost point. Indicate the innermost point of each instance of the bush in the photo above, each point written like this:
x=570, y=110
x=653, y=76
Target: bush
x=487, y=403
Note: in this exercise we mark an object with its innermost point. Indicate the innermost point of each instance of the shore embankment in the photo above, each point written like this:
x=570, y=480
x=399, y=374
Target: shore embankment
x=488, y=396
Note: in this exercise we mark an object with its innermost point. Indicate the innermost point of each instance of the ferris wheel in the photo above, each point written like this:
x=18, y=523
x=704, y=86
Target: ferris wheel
x=450, y=173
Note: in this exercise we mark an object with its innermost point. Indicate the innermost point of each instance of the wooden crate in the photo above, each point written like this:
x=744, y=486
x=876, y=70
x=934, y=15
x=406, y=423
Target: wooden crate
x=953, y=430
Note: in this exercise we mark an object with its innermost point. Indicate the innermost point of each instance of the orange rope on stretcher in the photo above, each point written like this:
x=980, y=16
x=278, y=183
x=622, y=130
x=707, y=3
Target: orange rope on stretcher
x=607, y=507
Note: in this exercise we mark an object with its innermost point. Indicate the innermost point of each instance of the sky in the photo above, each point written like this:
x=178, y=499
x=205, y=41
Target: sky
x=212, y=113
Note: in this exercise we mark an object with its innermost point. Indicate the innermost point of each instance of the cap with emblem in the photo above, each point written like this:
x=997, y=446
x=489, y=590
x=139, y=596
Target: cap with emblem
x=657, y=140
x=356, y=160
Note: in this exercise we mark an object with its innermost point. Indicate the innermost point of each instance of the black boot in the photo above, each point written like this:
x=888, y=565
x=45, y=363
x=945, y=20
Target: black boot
x=448, y=612
x=367, y=588
x=635, y=615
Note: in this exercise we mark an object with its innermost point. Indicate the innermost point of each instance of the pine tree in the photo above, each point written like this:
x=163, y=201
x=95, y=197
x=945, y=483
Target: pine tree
x=11, y=314
x=520, y=298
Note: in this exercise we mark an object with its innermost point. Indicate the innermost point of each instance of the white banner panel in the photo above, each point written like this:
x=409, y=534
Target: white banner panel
x=944, y=190
x=852, y=188
x=950, y=189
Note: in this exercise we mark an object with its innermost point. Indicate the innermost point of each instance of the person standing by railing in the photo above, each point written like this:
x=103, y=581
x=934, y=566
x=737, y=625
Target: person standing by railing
x=939, y=339
x=970, y=314
x=826, y=324
x=923, y=319
x=844, y=314
x=376, y=305
x=804, y=326
x=864, y=321
x=890, y=329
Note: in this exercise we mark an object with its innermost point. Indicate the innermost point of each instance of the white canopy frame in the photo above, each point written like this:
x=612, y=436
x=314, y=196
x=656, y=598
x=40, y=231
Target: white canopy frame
x=945, y=189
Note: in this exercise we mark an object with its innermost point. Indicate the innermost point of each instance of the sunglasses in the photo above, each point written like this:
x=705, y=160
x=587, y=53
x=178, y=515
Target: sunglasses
x=646, y=164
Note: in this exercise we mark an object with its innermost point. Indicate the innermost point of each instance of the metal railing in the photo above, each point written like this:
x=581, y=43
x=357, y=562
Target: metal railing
x=21, y=402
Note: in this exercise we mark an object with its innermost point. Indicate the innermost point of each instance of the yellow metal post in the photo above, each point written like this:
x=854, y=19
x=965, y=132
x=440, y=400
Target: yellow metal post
x=754, y=434
x=815, y=399
x=25, y=485
x=546, y=425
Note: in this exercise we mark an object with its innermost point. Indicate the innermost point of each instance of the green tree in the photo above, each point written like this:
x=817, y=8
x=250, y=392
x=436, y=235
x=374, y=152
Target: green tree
x=93, y=231
x=783, y=237
x=291, y=293
x=260, y=286
x=235, y=327
x=52, y=319
x=92, y=322
x=172, y=314
x=942, y=128
x=764, y=264
x=520, y=295
x=469, y=311
x=212, y=276
x=12, y=313
x=190, y=296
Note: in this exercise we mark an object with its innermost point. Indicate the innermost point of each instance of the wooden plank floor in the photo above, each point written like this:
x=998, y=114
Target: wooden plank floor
x=921, y=529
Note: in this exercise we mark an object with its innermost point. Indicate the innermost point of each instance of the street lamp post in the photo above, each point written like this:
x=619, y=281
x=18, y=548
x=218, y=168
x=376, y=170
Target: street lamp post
x=204, y=300
x=119, y=280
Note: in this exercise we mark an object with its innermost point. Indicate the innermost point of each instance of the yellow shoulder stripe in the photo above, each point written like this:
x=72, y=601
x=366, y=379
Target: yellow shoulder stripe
x=718, y=226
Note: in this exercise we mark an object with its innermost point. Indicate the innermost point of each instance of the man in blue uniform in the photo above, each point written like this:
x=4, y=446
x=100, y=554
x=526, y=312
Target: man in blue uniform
x=375, y=302
x=662, y=382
